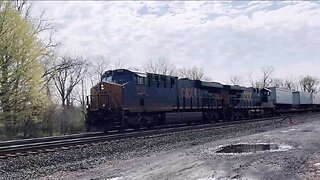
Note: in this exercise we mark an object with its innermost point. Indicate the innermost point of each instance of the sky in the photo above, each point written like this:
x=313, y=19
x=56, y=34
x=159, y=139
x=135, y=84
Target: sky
x=224, y=38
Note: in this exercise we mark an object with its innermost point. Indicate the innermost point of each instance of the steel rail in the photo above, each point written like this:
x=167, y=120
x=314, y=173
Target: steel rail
x=45, y=139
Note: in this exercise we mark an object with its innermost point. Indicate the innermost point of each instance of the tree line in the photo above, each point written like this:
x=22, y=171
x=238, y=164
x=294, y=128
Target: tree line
x=305, y=83
x=43, y=92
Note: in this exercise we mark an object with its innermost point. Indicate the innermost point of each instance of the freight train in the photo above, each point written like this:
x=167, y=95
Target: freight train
x=132, y=99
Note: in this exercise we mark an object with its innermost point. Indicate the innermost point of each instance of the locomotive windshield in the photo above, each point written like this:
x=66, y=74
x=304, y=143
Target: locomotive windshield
x=119, y=78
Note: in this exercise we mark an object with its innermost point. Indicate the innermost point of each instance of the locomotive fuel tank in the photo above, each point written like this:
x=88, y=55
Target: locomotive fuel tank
x=183, y=117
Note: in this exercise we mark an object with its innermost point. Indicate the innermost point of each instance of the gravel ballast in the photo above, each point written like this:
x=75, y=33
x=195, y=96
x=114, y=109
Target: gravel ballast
x=84, y=158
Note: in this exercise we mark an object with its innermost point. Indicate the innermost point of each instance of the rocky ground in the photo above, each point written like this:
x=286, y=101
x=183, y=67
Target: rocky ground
x=186, y=155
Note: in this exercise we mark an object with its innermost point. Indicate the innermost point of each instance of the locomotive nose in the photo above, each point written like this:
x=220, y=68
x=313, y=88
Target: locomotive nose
x=106, y=96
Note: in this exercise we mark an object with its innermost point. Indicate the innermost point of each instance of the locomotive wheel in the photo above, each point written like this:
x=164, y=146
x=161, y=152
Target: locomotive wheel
x=157, y=120
x=236, y=117
x=121, y=129
x=87, y=126
x=206, y=117
x=136, y=127
x=109, y=125
x=240, y=117
x=214, y=118
x=150, y=126
x=228, y=114
x=90, y=119
x=210, y=117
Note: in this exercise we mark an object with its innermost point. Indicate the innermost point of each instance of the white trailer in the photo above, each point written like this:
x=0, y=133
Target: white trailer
x=302, y=98
x=281, y=96
x=316, y=98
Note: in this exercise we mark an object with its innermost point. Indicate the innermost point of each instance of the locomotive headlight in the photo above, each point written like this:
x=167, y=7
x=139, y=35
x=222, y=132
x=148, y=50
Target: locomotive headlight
x=101, y=87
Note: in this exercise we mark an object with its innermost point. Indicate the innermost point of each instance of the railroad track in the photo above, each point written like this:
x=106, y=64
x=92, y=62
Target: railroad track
x=31, y=146
x=45, y=139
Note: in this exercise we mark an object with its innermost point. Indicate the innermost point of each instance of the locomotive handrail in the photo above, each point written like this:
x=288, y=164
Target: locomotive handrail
x=115, y=104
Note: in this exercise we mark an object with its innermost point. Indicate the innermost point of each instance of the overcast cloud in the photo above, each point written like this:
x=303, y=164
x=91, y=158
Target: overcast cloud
x=224, y=38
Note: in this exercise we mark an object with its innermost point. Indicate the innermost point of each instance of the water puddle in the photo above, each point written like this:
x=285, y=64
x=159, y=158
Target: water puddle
x=247, y=148
x=115, y=178
x=317, y=164
x=306, y=130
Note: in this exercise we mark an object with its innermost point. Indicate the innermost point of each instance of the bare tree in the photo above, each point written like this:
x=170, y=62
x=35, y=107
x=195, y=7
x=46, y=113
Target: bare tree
x=309, y=83
x=265, y=80
x=97, y=68
x=256, y=84
x=65, y=80
x=136, y=68
x=206, y=78
x=236, y=80
x=70, y=74
x=100, y=65
x=43, y=29
x=194, y=73
x=159, y=66
x=290, y=84
x=24, y=7
x=42, y=26
x=277, y=82
x=118, y=64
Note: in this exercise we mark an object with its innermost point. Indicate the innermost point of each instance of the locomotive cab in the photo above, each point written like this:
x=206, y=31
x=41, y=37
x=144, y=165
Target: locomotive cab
x=119, y=76
x=106, y=100
x=107, y=94
x=119, y=92
x=264, y=94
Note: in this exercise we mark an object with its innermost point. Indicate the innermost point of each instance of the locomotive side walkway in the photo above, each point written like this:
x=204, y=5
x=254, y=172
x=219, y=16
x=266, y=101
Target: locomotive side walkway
x=294, y=154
